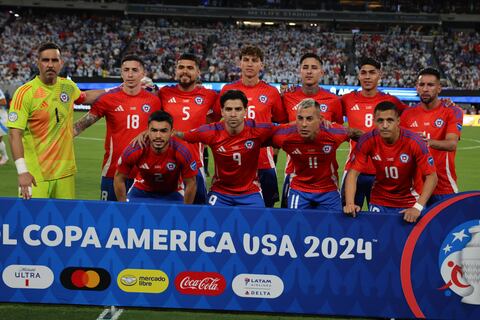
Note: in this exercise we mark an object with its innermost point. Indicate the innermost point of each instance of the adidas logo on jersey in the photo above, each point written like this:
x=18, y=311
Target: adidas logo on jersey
x=221, y=149
x=377, y=157
x=119, y=108
x=355, y=108
x=296, y=151
x=172, y=100
x=144, y=166
x=414, y=124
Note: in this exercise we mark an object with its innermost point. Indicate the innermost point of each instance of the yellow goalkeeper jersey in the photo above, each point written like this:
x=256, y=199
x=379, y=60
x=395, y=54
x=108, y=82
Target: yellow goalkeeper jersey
x=45, y=113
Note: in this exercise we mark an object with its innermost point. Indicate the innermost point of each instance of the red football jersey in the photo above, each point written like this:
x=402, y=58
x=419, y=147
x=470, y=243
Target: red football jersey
x=236, y=156
x=396, y=166
x=436, y=124
x=314, y=161
x=264, y=105
x=359, y=112
x=159, y=172
x=126, y=117
x=189, y=110
x=330, y=106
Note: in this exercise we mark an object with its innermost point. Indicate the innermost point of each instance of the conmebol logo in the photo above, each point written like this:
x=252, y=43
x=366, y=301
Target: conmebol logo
x=27, y=276
x=200, y=283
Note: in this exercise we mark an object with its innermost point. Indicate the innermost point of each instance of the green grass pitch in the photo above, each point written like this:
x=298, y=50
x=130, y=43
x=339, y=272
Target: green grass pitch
x=89, y=155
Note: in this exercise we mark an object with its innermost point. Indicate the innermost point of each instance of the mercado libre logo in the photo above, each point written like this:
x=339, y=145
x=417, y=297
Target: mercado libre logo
x=142, y=280
x=90, y=279
x=459, y=262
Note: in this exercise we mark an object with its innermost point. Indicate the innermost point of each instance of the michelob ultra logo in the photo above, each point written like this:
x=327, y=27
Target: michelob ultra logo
x=90, y=279
x=27, y=276
x=142, y=280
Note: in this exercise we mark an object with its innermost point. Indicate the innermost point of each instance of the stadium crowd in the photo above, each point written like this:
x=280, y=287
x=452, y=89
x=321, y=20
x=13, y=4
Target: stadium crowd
x=459, y=57
x=93, y=46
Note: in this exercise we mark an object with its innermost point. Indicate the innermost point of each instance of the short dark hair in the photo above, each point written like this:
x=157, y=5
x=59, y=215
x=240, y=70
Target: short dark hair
x=189, y=56
x=385, y=106
x=370, y=61
x=252, y=51
x=161, y=116
x=133, y=57
x=430, y=71
x=234, y=95
x=311, y=55
x=47, y=46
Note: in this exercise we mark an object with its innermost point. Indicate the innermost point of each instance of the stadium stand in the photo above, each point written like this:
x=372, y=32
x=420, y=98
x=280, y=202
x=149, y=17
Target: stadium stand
x=459, y=57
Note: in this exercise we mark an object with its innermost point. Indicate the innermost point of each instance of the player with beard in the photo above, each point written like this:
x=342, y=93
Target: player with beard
x=235, y=143
x=264, y=105
x=440, y=125
x=358, y=107
x=189, y=104
x=164, y=166
x=311, y=72
x=398, y=156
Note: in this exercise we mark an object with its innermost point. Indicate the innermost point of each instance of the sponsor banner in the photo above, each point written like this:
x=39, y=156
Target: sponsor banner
x=470, y=120
x=256, y=260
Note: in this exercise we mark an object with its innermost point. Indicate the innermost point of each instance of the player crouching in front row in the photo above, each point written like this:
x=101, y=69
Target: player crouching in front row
x=164, y=165
x=398, y=156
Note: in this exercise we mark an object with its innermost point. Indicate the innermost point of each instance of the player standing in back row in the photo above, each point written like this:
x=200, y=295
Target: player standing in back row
x=126, y=110
x=358, y=107
x=440, y=125
x=189, y=105
x=311, y=72
x=264, y=105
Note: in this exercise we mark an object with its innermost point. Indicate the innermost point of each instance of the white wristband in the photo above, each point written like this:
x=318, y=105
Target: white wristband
x=21, y=165
x=418, y=206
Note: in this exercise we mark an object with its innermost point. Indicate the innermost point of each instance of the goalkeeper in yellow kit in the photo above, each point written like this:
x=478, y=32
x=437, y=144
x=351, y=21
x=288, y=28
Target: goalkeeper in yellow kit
x=40, y=122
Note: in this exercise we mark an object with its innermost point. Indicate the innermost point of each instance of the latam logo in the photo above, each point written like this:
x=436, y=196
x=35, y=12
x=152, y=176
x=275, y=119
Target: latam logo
x=200, y=283
x=142, y=280
x=257, y=286
x=27, y=276
x=90, y=279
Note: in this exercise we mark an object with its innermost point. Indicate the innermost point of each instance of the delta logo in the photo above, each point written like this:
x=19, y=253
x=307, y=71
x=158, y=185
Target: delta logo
x=200, y=283
x=257, y=286
x=89, y=279
x=142, y=280
x=19, y=276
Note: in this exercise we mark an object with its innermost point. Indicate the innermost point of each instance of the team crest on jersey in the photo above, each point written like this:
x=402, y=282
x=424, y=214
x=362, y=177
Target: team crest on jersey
x=171, y=166
x=249, y=144
x=198, y=100
x=12, y=116
x=439, y=123
x=146, y=108
x=64, y=97
x=263, y=98
x=327, y=148
x=193, y=165
x=430, y=160
x=404, y=158
x=323, y=107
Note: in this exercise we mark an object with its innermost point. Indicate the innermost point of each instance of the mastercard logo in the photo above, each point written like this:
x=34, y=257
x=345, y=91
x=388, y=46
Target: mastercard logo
x=79, y=278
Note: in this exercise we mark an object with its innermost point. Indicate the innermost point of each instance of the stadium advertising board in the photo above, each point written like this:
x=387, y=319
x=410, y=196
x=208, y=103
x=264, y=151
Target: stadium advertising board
x=271, y=260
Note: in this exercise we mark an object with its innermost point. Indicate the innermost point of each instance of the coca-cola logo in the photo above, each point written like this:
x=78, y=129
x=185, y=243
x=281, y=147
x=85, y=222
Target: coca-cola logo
x=200, y=283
